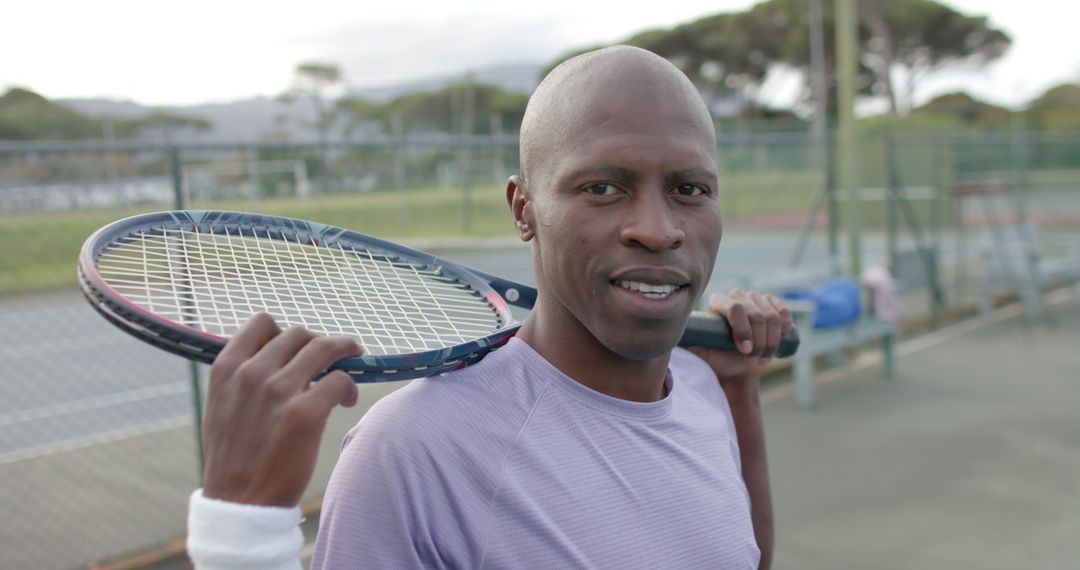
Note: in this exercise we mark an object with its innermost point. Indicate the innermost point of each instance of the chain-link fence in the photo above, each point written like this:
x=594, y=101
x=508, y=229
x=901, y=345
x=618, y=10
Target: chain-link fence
x=98, y=449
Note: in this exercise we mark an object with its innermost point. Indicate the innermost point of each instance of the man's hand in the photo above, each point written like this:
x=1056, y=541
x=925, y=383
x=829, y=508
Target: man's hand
x=264, y=420
x=757, y=321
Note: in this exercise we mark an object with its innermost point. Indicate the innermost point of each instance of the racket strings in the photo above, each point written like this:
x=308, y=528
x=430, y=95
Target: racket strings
x=214, y=282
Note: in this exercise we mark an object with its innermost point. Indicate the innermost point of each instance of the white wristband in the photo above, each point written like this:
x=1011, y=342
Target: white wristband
x=224, y=535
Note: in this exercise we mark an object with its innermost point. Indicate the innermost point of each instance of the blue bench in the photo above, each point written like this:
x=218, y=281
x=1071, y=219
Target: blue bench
x=832, y=342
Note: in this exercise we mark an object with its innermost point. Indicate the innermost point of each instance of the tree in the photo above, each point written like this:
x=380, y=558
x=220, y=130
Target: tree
x=166, y=124
x=312, y=81
x=915, y=37
x=725, y=55
x=731, y=54
x=922, y=36
x=356, y=111
x=436, y=110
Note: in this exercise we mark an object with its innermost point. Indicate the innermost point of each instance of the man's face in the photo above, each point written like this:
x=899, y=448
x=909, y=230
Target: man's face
x=627, y=223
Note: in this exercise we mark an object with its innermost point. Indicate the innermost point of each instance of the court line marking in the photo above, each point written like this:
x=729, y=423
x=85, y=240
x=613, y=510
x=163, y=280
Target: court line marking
x=922, y=342
x=110, y=436
x=769, y=395
x=39, y=348
x=94, y=403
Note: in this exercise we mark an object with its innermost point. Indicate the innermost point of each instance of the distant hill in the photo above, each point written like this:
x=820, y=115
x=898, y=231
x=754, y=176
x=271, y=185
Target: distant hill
x=522, y=78
x=106, y=107
x=236, y=121
x=261, y=118
x=26, y=115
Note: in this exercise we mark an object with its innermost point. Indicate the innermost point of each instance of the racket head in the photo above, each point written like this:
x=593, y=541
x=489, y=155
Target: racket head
x=162, y=277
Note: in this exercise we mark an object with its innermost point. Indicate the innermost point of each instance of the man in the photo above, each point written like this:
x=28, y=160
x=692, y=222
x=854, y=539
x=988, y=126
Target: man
x=588, y=440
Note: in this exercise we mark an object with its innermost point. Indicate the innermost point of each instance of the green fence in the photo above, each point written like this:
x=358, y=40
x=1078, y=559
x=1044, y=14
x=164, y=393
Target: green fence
x=98, y=453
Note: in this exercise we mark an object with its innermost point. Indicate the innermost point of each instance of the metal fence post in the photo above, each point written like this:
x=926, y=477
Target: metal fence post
x=890, y=200
x=193, y=367
x=847, y=28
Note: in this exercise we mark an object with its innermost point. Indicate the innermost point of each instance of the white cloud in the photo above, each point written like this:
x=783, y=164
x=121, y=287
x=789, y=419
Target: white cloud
x=203, y=50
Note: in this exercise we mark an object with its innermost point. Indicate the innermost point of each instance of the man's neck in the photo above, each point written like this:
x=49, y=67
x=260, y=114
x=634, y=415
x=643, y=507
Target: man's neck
x=571, y=348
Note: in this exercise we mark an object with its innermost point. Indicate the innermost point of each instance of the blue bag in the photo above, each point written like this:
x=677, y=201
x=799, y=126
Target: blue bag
x=836, y=302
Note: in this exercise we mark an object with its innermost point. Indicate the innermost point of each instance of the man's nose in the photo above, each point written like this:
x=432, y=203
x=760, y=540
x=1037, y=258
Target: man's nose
x=651, y=223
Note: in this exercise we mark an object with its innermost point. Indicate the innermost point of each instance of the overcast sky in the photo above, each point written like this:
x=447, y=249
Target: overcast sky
x=212, y=50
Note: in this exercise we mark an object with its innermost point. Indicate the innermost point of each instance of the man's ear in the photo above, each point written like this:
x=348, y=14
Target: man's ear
x=519, y=199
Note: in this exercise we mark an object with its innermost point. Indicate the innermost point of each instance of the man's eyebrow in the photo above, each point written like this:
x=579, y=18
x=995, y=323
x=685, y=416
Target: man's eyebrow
x=623, y=173
x=606, y=171
x=689, y=174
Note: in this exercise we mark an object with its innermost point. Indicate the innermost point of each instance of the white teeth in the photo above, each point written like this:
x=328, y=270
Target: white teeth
x=650, y=291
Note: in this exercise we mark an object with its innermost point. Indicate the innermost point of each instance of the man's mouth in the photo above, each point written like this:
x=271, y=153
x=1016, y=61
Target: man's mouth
x=648, y=290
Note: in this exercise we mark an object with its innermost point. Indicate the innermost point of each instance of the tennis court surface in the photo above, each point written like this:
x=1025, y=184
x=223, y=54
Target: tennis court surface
x=969, y=459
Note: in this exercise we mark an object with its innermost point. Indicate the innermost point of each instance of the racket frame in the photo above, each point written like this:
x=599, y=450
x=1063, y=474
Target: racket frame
x=189, y=342
x=203, y=346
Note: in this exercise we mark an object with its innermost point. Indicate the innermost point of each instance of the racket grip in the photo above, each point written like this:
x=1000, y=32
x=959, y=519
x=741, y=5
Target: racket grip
x=712, y=331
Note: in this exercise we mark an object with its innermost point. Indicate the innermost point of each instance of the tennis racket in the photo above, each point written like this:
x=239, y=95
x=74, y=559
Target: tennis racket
x=185, y=281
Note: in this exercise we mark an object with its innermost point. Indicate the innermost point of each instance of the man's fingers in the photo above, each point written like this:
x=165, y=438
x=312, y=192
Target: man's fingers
x=757, y=321
x=758, y=324
x=733, y=308
x=772, y=324
x=316, y=356
x=279, y=351
x=787, y=319
x=256, y=332
x=334, y=389
x=254, y=375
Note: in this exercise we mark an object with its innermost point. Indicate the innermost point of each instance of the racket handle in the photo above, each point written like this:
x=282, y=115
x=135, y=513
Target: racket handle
x=712, y=331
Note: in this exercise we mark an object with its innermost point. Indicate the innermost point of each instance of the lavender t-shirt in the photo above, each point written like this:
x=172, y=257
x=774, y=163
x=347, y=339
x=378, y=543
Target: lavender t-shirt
x=512, y=464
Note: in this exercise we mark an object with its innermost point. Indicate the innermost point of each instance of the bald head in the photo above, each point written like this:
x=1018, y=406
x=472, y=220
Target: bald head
x=601, y=85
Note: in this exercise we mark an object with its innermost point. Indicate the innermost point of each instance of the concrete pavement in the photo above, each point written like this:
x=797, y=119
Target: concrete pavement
x=969, y=459
x=915, y=473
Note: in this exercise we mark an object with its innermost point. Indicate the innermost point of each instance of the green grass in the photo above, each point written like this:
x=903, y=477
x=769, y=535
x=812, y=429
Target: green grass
x=755, y=193
x=405, y=214
x=48, y=243
x=40, y=248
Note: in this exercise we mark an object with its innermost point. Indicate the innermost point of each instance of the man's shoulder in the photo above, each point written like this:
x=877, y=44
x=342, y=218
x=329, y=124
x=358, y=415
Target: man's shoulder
x=687, y=368
x=421, y=466
x=467, y=407
x=693, y=375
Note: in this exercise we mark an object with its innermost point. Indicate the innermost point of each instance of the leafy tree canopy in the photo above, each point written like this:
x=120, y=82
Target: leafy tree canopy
x=442, y=110
x=733, y=53
x=312, y=81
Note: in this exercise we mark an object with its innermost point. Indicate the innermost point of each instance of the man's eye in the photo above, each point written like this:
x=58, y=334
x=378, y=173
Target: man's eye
x=690, y=190
x=601, y=189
